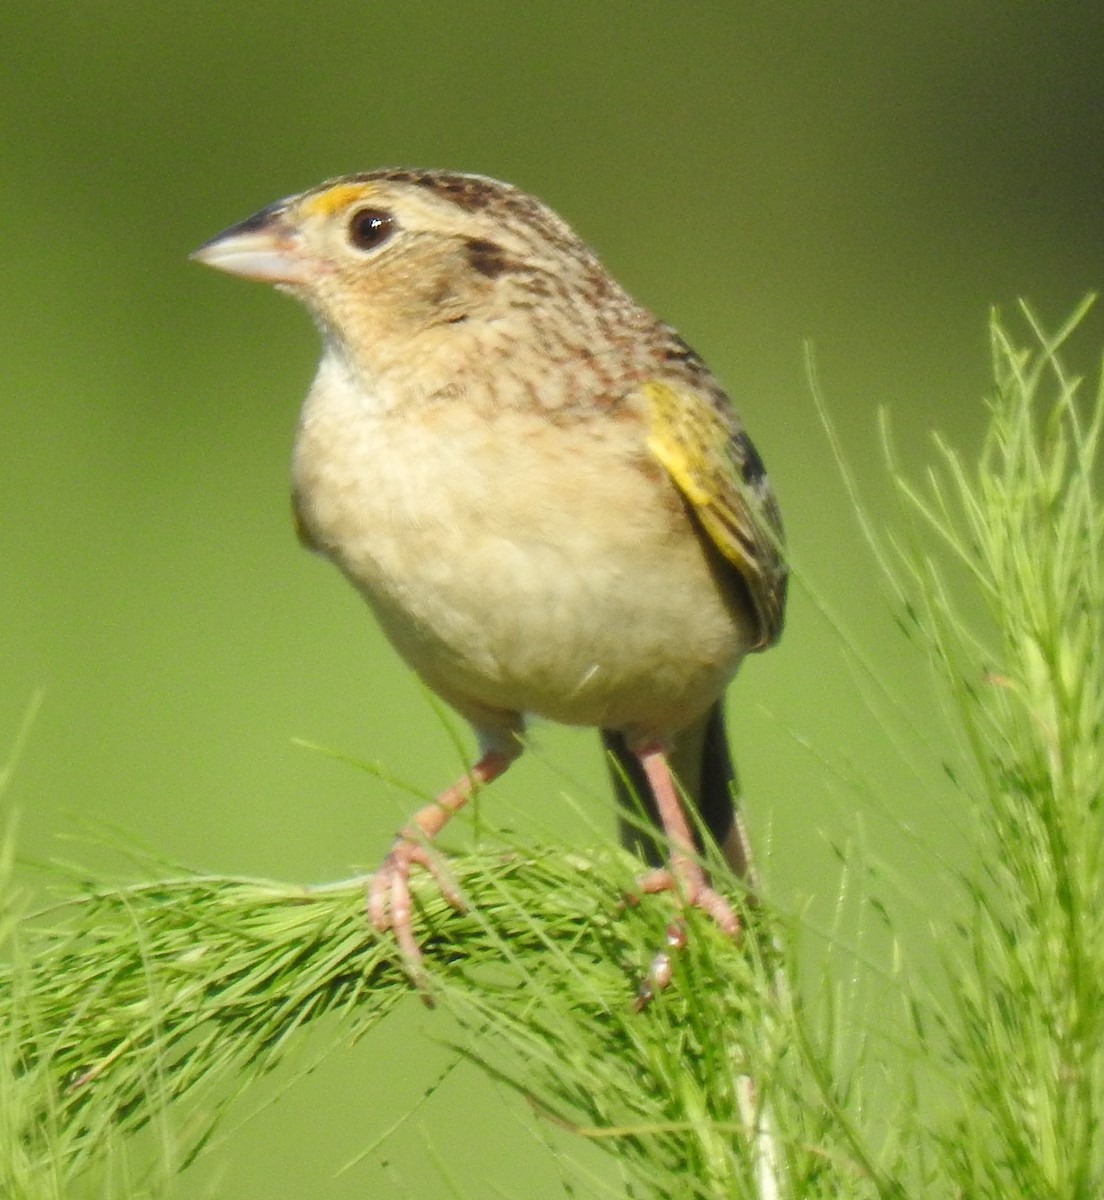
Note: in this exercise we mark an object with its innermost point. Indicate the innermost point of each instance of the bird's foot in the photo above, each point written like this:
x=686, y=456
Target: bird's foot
x=390, y=905
x=685, y=875
x=688, y=881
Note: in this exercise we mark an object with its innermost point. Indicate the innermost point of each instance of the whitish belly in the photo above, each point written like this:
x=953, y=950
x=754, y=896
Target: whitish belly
x=523, y=568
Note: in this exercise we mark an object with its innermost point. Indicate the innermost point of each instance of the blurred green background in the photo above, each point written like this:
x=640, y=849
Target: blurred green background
x=870, y=177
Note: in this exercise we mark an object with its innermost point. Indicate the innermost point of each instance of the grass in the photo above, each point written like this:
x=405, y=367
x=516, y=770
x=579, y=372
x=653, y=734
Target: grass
x=1024, y=1034
x=143, y=1010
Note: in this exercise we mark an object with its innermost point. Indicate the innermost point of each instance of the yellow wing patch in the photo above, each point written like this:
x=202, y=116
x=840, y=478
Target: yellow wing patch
x=689, y=440
x=702, y=446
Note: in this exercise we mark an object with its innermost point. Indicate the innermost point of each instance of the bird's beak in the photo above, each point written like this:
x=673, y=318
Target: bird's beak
x=263, y=246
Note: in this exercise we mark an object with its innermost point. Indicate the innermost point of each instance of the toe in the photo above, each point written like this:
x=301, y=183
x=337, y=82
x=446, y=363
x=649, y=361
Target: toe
x=714, y=905
x=379, y=891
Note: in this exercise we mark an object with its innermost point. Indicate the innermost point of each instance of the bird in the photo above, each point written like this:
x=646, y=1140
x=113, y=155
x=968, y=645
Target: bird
x=547, y=499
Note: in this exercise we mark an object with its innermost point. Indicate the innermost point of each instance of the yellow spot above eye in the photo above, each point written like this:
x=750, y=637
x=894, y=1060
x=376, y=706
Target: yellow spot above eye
x=333, y=199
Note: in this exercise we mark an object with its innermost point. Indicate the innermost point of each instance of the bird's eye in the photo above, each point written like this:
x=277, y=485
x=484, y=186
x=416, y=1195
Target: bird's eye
x=370, y=227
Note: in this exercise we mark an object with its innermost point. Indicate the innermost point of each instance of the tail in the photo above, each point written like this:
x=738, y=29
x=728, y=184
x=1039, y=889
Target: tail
x=702, y=764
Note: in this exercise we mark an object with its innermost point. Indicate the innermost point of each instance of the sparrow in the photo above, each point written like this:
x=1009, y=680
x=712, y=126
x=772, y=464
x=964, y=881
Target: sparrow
x=543, y=493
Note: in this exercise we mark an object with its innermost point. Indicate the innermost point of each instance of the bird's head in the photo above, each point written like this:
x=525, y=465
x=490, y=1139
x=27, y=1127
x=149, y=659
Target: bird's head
x=396, y=259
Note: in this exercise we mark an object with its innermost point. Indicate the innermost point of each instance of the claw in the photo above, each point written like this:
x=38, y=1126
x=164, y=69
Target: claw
x=662, y=967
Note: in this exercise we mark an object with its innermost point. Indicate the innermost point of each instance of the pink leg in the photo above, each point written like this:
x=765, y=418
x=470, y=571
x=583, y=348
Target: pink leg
x=685, y=874
x=389, y=904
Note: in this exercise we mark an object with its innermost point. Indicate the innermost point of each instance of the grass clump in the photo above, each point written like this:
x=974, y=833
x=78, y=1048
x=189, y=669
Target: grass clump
x=1025, y=1026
